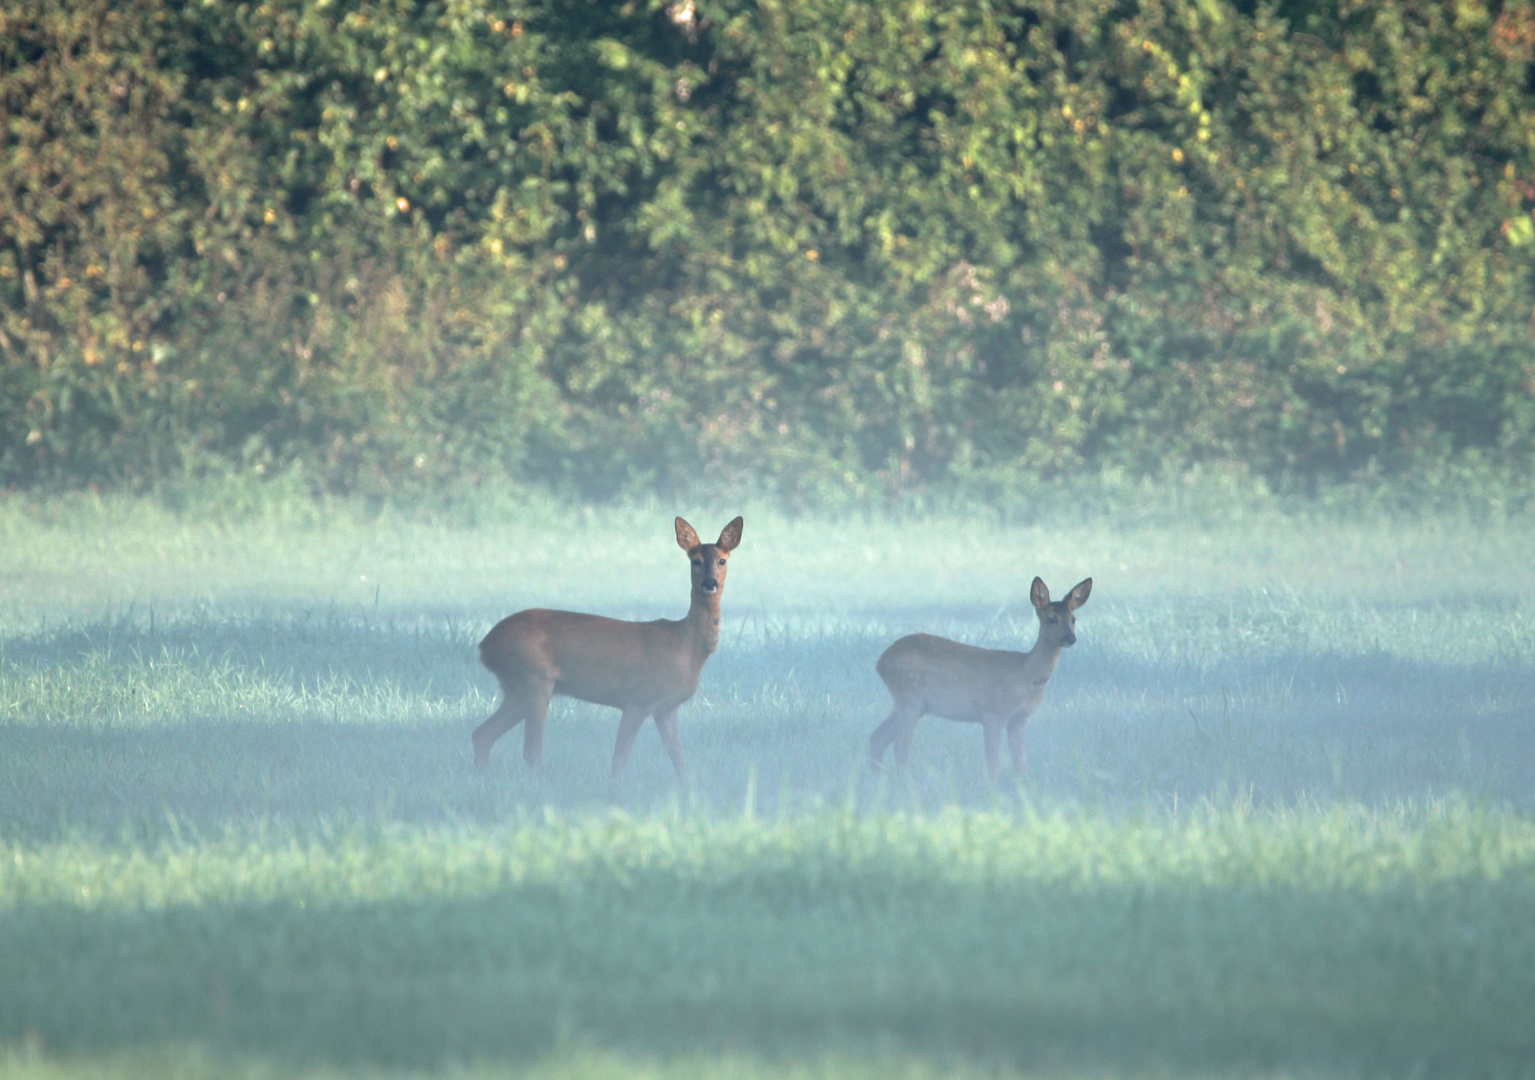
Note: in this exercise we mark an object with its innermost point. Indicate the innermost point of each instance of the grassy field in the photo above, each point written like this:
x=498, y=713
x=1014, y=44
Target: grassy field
x=1279, y=818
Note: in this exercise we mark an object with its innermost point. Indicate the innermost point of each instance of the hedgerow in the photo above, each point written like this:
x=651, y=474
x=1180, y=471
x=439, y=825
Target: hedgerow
x=819, y=249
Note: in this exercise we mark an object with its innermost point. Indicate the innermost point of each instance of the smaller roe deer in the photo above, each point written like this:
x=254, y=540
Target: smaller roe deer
x=995, y=688
x=641, y=668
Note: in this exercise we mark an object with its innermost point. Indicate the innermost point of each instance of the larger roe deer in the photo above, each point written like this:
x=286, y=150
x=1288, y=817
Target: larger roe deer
x=995, y=688
x=643, y=669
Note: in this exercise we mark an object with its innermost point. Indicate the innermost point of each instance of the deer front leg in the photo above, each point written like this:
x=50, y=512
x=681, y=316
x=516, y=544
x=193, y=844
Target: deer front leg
x=1015, y=747
x=628, y=727
x=993, y=731
x=666, y=724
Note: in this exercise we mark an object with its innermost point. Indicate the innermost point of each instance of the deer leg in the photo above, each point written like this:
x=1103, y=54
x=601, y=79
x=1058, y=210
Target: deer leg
x=889, y=731
x=533, y=733
x=666, y=724
x=993, y=732
x=508, y=716
x=905, y=727
x=628, y=727
x=1015, y=747
x=883, y=736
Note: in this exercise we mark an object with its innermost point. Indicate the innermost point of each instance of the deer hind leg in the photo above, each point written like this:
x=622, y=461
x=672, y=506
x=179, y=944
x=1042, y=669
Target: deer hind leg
x=906, y=716
x=887, y=732
x=537, y=712
x=628, y=727
x=666, y=724
x=508, y=716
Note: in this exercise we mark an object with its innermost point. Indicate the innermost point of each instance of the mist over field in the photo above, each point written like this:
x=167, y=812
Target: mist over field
x=1276, y=817
x=332, y=333
x=308, y=671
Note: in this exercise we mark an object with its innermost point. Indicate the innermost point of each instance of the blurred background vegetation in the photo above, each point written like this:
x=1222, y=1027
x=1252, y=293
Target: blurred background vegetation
x=823, y=251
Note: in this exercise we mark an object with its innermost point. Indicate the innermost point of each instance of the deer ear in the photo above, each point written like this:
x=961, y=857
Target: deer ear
x=1039, y=595
x=687, y=539
x=730, y=536
x=1078, y=595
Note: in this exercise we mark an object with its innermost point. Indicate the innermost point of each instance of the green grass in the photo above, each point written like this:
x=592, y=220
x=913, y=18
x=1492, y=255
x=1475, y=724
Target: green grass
x=1212, y=936
x=1279, y=818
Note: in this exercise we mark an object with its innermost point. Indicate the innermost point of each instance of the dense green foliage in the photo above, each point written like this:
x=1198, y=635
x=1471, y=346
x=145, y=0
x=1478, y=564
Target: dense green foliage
x=821, y=248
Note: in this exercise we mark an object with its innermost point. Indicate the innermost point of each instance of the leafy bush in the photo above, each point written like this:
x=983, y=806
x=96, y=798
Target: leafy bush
x=821, y=249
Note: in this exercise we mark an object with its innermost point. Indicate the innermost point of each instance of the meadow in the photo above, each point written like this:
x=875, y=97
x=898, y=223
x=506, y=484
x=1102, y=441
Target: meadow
x=1279, y=816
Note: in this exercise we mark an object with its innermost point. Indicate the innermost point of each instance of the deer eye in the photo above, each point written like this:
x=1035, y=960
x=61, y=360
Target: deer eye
x=722, y=562
x=698, y=562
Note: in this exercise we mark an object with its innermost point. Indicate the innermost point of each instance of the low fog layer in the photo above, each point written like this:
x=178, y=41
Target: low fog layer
x=329, y=672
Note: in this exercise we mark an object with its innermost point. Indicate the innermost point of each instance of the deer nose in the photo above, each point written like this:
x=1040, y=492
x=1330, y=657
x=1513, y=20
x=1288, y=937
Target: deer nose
x=710, y=584
x=1070, y=638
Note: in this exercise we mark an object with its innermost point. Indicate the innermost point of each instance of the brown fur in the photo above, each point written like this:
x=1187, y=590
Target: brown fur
x=643, y=669
x=995, y=688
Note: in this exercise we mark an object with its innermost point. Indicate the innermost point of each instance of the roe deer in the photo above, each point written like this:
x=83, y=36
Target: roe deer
x=641, y=668
x=995, y=688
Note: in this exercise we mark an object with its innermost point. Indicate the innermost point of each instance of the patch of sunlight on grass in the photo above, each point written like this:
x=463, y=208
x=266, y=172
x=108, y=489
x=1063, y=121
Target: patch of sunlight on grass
x=1337, y=848
x=190, y=1063
x=1214, y=939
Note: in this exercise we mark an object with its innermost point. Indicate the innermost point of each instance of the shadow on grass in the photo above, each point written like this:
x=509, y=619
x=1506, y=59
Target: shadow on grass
x=787, y=964
x=377, y=713
x=302, y=649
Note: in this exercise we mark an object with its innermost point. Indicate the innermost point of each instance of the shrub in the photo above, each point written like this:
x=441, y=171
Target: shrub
x=825, y=249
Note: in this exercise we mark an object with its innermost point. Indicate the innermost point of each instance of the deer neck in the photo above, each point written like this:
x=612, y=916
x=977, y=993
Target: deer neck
x=1041, y=660
x=702, y=624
